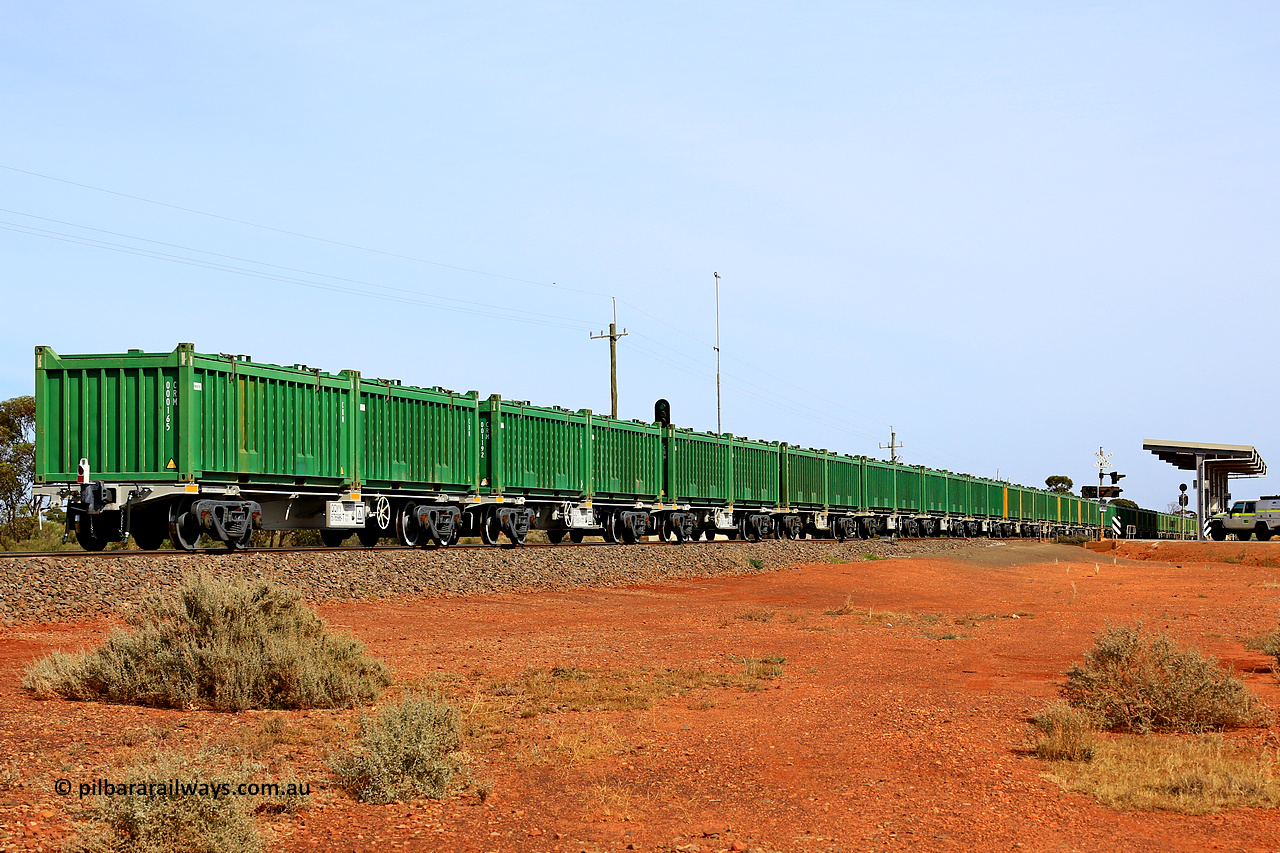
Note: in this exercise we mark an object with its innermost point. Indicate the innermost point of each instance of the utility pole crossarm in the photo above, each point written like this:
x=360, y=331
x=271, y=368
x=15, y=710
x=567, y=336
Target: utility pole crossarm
x=893, y=446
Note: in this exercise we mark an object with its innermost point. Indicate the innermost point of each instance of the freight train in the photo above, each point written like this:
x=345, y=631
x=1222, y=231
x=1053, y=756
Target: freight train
x=181, y=445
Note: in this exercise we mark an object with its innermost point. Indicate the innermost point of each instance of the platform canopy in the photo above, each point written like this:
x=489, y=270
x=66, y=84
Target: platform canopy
x=1237, y=460
x=1214, y=465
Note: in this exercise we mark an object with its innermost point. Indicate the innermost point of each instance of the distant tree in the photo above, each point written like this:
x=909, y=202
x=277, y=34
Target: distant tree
x=18, y=509
x=1059, y=483
x=1123, y=502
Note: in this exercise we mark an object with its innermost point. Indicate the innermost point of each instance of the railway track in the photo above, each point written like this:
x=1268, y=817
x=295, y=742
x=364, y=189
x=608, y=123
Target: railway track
x=321, y=549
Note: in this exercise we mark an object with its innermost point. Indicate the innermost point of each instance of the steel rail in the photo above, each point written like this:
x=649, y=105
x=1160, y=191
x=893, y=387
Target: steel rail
x=323, y=549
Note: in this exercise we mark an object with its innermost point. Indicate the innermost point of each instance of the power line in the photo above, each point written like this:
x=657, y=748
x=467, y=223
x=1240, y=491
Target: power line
x=90, y=242
x=296, y=233
x=480, y=309
x=269, y=265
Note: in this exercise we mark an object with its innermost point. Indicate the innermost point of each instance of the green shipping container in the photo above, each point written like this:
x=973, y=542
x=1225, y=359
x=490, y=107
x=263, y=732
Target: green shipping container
x=803, y=478
x=418, y=438
x=755, y=472
x=1040, y=506
x=533, y=450
x=879, y=488
x=699, y=466
x=910, y=488
x=845, y=476
x=626, y=459
x=721, y=469
x=176, y=417
x=959, y=497
x=935, y=491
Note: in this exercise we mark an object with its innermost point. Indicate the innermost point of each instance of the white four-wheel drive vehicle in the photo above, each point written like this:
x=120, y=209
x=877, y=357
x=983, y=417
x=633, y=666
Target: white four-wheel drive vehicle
x=1247, y=518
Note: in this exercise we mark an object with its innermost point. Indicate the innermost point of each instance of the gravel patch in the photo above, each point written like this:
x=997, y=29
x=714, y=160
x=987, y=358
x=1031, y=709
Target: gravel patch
x=75, y=587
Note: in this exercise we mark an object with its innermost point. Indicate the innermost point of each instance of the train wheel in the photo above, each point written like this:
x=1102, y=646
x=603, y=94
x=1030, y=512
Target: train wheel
x=86, y=535
x=555, y=537
x=368, y=536
x=184, y=529
x=334, y=538
x=408, y=530
x=148, y=531
x=490, y=529
x=611, y=531
x=575, y=536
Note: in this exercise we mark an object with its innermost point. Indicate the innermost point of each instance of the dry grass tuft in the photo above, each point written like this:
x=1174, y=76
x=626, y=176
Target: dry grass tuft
x=143, y=822
x=1131, y=681
x=757, y=615
x=1194, y=776
x=1066, y=734
x=223, y=645
x=406, y=750
x=845, y=609
x=575, y=747
x=765, y=668
x=559, y=689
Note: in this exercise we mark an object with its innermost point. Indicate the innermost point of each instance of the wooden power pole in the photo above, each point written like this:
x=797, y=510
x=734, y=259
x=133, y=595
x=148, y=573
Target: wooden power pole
x=613, y=336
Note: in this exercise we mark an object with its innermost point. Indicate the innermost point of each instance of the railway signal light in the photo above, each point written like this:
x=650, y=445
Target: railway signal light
x=662, y=412
x=1115, y=477
x=1095, y=492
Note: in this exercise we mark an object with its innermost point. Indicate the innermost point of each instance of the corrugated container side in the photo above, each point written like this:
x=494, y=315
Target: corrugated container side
x=626, y=459
x=269, y=424
x=978, y=497
x=1040, y=506
x=117, y=411
x=533, y=450
x=959, y=499
x=845, y=475
x=995, y=499
x=699, y=466
x=755, y=472
x=418, y=437
x=910, y=486
x=935, y=491
x=803, y=478
x=879, y=485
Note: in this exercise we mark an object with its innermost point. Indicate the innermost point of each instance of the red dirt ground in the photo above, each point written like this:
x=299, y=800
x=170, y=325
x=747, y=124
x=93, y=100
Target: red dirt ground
x=880, y=735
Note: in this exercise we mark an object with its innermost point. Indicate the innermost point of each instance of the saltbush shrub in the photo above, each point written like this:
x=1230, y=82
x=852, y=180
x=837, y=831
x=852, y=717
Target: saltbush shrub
x=144, y=817
x=1133, y=681
x=406, y=750
x=222, y=645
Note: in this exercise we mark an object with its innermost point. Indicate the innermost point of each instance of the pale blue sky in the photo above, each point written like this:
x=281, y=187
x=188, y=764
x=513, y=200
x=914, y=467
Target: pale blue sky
x=1014, y=231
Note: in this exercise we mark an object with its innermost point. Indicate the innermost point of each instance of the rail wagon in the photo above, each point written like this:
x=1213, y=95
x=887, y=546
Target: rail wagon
x=181, y=445
x=1132, y=523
